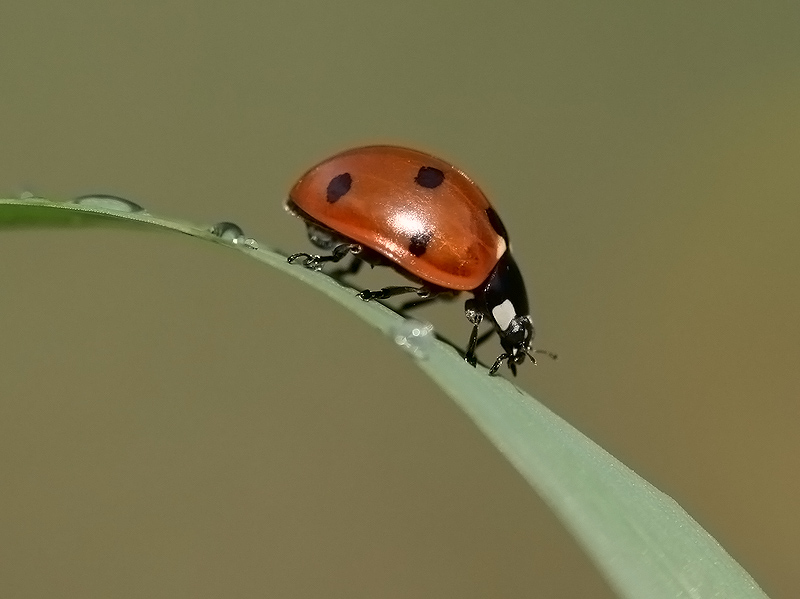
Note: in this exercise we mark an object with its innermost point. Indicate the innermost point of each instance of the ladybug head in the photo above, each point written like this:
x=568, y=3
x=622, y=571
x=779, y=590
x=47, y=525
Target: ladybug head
x=516, y=342
x=516, y=339
x=504, y=300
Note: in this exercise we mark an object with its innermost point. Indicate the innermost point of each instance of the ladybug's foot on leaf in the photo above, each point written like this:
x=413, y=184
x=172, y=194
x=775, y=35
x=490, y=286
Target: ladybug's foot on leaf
x=315, y=262
x=310, y=261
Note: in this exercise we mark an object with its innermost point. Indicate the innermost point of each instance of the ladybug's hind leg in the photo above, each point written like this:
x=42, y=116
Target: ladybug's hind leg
x=315, y=262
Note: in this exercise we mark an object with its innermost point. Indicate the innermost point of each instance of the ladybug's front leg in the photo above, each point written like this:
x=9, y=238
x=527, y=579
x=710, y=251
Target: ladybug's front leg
x=475, y=316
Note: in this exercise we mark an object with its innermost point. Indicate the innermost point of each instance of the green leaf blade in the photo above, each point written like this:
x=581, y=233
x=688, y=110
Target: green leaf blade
x=642, y=541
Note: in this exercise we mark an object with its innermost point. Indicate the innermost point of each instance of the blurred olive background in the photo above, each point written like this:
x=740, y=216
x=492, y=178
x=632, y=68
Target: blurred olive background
x=177, y=421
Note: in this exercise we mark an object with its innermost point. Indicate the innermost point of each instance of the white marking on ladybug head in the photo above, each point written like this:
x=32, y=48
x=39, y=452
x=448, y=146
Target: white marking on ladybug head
x=502, y=246
x=504, y=314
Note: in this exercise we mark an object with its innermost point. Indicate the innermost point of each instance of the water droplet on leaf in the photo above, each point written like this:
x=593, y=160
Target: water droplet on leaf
x=415, y=337
x=102, y=201
x=227, y=231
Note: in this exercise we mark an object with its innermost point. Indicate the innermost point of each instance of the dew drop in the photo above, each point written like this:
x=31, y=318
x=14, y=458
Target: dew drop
x=233, y=234
x=415, y=337
x=29, y=195
x=102, y=201
x=230, y=232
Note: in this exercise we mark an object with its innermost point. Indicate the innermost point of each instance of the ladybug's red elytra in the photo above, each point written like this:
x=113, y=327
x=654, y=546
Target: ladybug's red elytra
x=427, y=219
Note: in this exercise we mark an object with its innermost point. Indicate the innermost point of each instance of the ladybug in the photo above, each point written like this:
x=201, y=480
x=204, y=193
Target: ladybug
x=387, y=205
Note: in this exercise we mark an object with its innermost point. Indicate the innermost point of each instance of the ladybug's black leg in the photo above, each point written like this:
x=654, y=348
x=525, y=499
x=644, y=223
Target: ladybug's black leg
x=388, y=292
x=499, y=361
x=416, y=304
x=475, y=317
x=513, y=365
x=315, y=262
x=350, y=269
x=435, y=295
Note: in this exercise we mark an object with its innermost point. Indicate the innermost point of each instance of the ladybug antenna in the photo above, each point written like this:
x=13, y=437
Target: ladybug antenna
x=549, y=354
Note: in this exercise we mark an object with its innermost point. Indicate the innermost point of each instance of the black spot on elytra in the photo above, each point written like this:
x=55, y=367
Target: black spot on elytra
x=496, y=223
x=429, y=177
x=419, y=243
x=338, y=186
